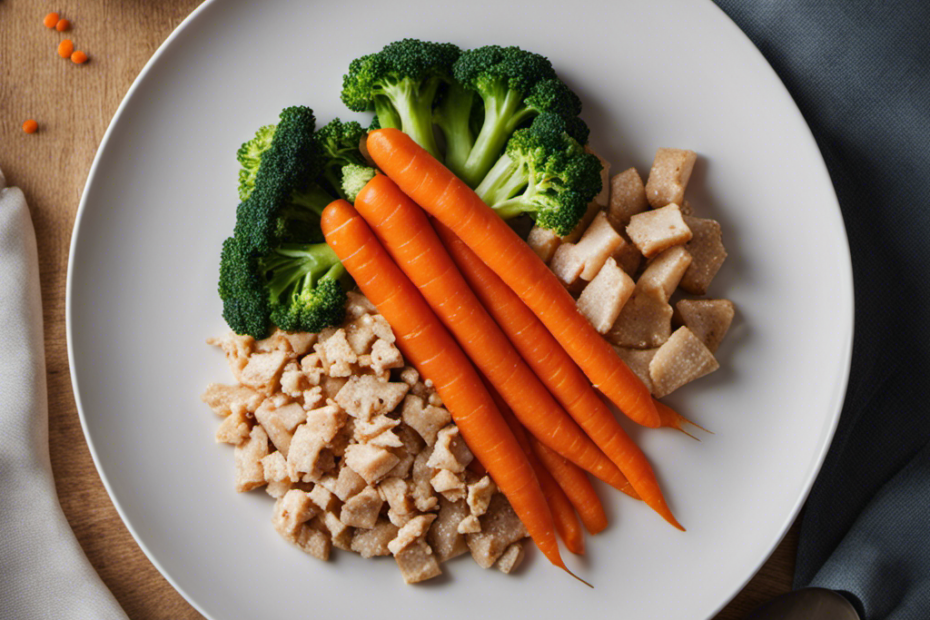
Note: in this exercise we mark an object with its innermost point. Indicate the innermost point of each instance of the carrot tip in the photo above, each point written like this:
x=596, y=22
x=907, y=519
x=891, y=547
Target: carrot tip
x=577, y=577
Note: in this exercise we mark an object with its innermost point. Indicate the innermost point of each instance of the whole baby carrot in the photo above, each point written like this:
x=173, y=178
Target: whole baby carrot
x=431, y=349
x=404, y=230
x=452, y=202
x=577, y=487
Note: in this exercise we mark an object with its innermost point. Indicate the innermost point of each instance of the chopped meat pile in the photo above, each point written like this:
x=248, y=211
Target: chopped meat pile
x=357, y=450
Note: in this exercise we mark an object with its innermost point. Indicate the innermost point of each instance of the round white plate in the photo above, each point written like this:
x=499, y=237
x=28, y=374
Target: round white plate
x=161, y=197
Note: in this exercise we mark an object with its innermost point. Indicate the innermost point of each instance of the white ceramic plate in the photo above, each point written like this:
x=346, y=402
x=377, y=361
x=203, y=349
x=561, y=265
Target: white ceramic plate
x=161, y=197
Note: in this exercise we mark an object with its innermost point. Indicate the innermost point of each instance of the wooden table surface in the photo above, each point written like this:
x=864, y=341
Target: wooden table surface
x=73, y=106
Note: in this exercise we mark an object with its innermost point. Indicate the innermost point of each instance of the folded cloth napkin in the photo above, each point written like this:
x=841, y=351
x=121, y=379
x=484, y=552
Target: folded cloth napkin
x=860, y=73
x=43, y=571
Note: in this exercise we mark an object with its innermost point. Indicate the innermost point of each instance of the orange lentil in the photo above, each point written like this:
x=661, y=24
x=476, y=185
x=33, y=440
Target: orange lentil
x=65, y=48
x=30, y=126
x=62, y=25
x=79, y=57
x=51, y=20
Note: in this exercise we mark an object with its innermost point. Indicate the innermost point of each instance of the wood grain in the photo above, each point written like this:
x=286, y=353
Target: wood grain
x=73, y=105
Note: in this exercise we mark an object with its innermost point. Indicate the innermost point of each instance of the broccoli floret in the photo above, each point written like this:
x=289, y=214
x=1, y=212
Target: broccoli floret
x=295, y=286
x=401, y=83
x=249, y=155
x=354, y=178
x=338, y=143
x=544, y=173
x=514, y=87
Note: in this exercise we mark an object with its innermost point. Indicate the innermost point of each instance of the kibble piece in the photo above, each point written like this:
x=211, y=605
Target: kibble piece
x=544, y=242
x=370, y=462
x=248, y=456
x=708, y=319
x=224, y=399
x=480, y=494
x=638, y=361
x=682, y=359
x=671, y=170
x=444, y=536
x=417, y=563
x=291, y=511
x=306, y=452
x=567, y=264
x=500, y=528
x=360, y=335
x=470, y=525
x=663, y=274
x=511, y=558
x=604, y=195
x=385, y=355
x=234, y=429
x=262, y=371
x=339, y=533
x=394, y=492
x=415, y=529
x=627, y=198
x=274, y=467
x=323, y=498
x=644, y=322
x=603, y=298
x=358, y=305
x=654, y=231
x=425, y=419
x=363, y=396
x=313, y=541
x=596, y=246
x=373, y=542
x=348, y=483
x=449, y=485
x=280, y=422
x=421, y=489
x=707, y=253
x=363, y=509
x=450, y=451
x=339, y=354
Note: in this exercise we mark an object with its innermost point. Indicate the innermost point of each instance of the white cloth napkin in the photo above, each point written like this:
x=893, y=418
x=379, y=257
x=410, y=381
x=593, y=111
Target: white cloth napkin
x=43, y=571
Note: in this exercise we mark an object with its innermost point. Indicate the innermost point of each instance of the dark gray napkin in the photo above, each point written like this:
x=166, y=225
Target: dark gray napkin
x=860, y=72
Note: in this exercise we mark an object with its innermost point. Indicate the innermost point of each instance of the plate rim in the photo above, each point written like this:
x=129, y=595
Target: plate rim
x=846, y=285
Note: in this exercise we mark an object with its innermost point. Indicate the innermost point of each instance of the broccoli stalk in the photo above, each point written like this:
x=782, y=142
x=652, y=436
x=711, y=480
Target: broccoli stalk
x=544, y=173
x=455, y=115
x=401, y=84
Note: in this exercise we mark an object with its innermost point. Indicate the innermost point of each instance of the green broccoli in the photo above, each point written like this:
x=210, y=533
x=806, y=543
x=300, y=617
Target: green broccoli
x=513, y=86
x=354, y=178
x=338, y=143
x=544, y=173
x=401, y=83
x=249, y=155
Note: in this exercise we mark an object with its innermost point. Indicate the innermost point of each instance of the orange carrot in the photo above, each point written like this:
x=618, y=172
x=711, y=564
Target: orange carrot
x=62, y=25
x=431, y=349
x=672, y=419
x=563, y=512
x=65, y=48
x=79, y=57
x=574, y=482
x=560, y=374
x=50, y=20
x=30, y=126
x=452, y=202
x=405, y=232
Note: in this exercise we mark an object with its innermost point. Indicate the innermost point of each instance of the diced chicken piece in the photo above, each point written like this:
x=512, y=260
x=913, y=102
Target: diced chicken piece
x=671, y=170
x=362, y=509
x=423, y=418
x=480, y=494
x=470, y=525
x=644, y=322
x=263, y=370
x=387, y=439
x=627, y=198
x=450, y=451
x=511, y=558
x=364, y=396
x=348, y=483
x=658, y=230
x=237, y=349
x=339, y=355
x=332, y=385
x=450, y=485
x=603, y=196
x=280, y=422
x=365, y=430
x=279, y=488
x=417, y=563
x=409, y=375
x=575, y=235
x=226, y=399
x=663, y=274
x=544, y=242
x=310, y=440
x=415, y=529
x=682, y=359
x=707, y=253
x=708, y=319
x=400, y=519
x=374, y=542
x=596, y=245
x=360, y=335
x=421, y=489
x=339, y=533
x=313, y=398
x=500, y=528
x=313, y=541
x=234, y=429
x=323, y=498
x=291, y=511
x=293, y=380
x=444, y=536
x=249, y=454
x=312, y=367
x=299, y=342
x=638, y=361
x=382, y=328
x=358, y=305
x=274, y=468
x=627, y=255
x=370, y=462
x=603, y=298
x=385, y=355
x=394, y=492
